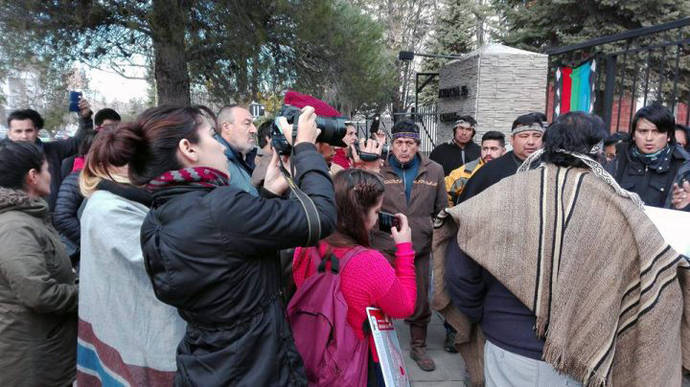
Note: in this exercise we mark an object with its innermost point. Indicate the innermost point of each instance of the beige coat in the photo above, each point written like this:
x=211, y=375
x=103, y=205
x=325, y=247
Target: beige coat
x=38, y=297
x=610, y=296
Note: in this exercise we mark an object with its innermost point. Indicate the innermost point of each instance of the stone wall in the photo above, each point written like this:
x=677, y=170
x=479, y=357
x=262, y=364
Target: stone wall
x=502, y=83
x=457, y=73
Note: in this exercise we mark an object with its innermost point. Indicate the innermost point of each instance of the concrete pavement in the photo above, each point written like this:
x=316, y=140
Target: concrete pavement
x=450, y=368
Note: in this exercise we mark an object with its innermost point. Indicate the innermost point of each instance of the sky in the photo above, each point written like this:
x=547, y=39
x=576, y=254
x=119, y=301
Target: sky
x=115, y=87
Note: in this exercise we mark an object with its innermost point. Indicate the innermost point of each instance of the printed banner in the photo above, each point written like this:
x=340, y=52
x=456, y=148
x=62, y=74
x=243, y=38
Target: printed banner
x=388, y=349
x=673, y=226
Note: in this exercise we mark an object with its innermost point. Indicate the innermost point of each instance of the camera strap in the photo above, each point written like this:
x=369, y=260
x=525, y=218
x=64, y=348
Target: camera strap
x=313, y=218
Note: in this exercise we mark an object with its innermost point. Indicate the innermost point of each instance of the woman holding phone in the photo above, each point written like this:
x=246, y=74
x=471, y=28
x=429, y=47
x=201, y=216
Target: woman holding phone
x=368, y=279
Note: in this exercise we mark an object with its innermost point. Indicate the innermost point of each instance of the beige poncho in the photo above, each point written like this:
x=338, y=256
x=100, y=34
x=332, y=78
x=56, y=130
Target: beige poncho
x=610, y=296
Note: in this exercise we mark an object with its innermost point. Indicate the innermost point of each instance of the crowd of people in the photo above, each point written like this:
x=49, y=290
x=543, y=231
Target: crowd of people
x=182, y=249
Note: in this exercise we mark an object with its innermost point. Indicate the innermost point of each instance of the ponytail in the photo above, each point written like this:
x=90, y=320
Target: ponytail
x=112, y=148
x=146, y=147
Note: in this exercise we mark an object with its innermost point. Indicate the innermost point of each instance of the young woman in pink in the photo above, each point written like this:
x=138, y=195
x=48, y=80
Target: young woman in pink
x=368, y=279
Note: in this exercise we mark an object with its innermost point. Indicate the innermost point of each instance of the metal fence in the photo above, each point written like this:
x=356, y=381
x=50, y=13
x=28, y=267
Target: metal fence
x=427, y=120
x=633, y=69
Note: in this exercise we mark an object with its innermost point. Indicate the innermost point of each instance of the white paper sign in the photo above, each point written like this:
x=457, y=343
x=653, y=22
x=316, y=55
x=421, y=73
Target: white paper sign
x=388, y=349
x=673, y=225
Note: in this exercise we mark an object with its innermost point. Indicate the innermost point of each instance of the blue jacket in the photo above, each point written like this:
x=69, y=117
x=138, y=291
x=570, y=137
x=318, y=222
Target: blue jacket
x=240, y=169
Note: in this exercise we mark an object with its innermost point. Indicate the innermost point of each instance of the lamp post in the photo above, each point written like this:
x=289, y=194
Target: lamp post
x=408, y=56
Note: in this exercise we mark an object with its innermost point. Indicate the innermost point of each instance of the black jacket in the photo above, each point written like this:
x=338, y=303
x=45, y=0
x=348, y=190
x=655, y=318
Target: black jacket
x=654, y=186
x=505, y=321
x=65, y=215
x=451, y=156
x=490, y=174
x=212, y=253
x=56, y=151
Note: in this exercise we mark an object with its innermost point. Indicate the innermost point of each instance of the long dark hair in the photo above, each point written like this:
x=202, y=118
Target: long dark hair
x=148, y=145
x=356, y=192
x=576, y=132
x=16, y=160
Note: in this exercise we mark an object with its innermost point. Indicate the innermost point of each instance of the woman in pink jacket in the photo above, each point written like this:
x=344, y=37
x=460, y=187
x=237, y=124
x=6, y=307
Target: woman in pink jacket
x=368, y=279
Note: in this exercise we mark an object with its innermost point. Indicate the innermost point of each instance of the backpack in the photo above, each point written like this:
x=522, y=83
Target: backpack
x=333, y=355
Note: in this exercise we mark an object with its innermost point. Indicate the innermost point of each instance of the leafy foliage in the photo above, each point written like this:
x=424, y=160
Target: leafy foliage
x=231, y=50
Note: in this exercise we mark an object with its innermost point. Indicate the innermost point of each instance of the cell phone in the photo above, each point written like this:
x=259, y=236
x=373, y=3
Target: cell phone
x=388, y=221
x=74, y=97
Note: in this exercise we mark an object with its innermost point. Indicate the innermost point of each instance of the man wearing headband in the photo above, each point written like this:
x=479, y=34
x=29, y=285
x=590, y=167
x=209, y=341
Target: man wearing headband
x=414, y=186
x=526, y=138
x=493, y=147
x=649, y=164
x=460, y=150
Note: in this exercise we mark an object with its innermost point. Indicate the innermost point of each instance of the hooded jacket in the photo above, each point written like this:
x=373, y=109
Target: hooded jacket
x=38, y=296
x=457, y=179
x=212, y=253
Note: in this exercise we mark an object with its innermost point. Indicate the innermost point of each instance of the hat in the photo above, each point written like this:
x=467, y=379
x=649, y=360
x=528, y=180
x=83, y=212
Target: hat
x=300, y=100
x=405, y=128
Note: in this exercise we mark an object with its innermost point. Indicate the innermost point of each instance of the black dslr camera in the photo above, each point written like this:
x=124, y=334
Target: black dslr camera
x=332, y=130
x=373, y=130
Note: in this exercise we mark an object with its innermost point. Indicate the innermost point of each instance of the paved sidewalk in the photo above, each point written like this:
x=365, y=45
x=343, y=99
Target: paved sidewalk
x=450, y=368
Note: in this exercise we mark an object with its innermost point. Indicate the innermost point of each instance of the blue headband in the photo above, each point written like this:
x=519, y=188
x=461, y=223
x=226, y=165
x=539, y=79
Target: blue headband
x=406, y=134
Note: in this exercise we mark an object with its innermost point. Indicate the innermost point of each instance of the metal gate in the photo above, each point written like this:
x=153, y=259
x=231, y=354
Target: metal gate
x=631, y=69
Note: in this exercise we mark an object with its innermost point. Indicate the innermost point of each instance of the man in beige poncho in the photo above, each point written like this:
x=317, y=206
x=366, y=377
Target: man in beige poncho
x=606, y=293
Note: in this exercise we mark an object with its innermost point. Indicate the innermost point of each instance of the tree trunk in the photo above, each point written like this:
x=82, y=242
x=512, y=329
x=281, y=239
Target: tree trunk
x=171, y=73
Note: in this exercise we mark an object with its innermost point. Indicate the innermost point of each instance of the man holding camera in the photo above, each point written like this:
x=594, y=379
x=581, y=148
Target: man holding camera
x=415, y=187
x=236, y=131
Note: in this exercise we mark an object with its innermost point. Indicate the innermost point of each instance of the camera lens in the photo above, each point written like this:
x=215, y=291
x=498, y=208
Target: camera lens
x=332, y=130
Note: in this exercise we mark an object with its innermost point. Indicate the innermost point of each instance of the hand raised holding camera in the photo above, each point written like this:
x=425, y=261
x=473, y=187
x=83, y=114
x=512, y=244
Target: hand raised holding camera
x=84, y=108
x=402, y=233
x=274, y=181
x=306, y=127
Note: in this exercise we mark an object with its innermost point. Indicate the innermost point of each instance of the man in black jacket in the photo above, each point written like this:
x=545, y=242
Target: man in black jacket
x=649, y=164
x=24, y=125
x=526, y=138
x=460, y=150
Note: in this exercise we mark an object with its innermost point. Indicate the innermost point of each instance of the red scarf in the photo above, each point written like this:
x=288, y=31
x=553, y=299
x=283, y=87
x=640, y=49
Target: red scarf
x=198, y=176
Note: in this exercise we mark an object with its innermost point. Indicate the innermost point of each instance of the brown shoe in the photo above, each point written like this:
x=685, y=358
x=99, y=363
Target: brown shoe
x=418, y=348
x=422, y=359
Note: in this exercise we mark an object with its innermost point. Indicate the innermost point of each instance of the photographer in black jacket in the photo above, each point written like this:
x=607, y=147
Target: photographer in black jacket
x=211, y=249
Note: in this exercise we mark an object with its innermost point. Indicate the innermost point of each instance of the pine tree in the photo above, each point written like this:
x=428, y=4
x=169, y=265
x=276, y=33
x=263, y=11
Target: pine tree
x=454, y=33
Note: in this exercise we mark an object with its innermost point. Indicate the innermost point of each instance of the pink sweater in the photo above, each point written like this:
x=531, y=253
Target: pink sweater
x=369, y=280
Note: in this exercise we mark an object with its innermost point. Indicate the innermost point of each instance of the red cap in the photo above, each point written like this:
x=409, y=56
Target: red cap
x=301, y=100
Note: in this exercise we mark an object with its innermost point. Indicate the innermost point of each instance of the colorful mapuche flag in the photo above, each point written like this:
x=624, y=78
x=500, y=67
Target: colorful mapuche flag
x=575, y=88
